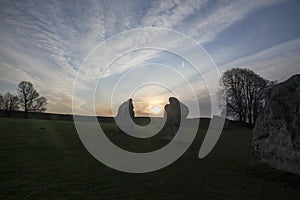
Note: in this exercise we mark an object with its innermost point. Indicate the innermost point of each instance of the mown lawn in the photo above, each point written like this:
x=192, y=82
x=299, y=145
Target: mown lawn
x=46, y=160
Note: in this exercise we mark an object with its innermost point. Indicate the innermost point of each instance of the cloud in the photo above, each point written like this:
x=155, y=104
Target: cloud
x=223, y=14
x=275, y=63
x=170, y=13
x=46, y=42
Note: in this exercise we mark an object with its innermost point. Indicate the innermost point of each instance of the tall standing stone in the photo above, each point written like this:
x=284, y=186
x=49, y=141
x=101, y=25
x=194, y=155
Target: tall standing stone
x=175, y=111
x=125, y=116
x=276, y=140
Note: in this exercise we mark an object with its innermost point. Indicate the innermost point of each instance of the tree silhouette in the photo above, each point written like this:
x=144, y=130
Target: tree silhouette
x=9, y=102
x=242, y=94
x=30, y=100
x=1, y=102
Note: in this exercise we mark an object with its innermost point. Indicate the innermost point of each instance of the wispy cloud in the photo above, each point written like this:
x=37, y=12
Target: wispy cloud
x=46, y=42
x=170, y=13
x=207, y=26
x=275, y=63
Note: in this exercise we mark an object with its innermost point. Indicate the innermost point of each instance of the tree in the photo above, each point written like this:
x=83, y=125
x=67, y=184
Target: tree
x=30, y=100
x=9, y=102
x=1, y=102
x=242, y=93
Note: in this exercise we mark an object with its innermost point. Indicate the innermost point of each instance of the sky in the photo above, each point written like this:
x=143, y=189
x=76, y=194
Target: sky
x=47, y=42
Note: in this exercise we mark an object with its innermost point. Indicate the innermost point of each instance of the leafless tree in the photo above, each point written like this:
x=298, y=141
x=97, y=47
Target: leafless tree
x=30, y=100
x=1, y=102
x=242, y=94
x=9, y=102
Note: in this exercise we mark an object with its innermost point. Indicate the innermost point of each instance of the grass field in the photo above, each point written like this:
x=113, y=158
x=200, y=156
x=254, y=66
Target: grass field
x=46, y=160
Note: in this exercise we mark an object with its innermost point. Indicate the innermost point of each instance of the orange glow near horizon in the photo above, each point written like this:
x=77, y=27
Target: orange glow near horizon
x=142, y=107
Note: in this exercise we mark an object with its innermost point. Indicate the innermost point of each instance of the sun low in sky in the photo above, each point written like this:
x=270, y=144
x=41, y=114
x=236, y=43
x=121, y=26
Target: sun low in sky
x=156, y=109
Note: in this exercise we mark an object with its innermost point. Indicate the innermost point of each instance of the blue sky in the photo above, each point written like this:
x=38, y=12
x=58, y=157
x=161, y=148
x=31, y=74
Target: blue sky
x=45, y=42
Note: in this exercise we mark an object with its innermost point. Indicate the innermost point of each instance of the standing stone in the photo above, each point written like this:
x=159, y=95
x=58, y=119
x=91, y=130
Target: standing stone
x=276, y=140
x=174, y=112
x=125, y=116
x=131, y=109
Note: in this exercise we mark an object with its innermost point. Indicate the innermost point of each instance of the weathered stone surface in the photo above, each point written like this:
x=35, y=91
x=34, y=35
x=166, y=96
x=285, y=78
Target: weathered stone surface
x=276, y=140
x=175, y=111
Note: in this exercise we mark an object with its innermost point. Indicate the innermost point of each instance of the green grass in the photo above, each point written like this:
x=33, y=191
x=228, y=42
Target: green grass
x=46, y=160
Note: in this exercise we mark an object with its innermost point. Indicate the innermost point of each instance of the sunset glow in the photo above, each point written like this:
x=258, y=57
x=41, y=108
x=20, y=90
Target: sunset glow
x=156, y=109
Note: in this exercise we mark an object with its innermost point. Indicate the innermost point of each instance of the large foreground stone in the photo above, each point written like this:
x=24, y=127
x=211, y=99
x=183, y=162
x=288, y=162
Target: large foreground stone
x=276, y=140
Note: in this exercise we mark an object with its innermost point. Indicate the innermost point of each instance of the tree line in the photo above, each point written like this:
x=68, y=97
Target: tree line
x=27, y=99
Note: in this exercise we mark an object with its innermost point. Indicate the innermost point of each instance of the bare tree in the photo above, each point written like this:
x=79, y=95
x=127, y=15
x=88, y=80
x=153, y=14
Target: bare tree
x=9, y=102
x=1, y=102
x=242, y=94
x=30, y=100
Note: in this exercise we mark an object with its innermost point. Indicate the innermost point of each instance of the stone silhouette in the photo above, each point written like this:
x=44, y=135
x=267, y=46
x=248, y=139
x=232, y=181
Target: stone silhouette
x=131, y=109
x=276, y=140
x=174, y=112
x=125, y=116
